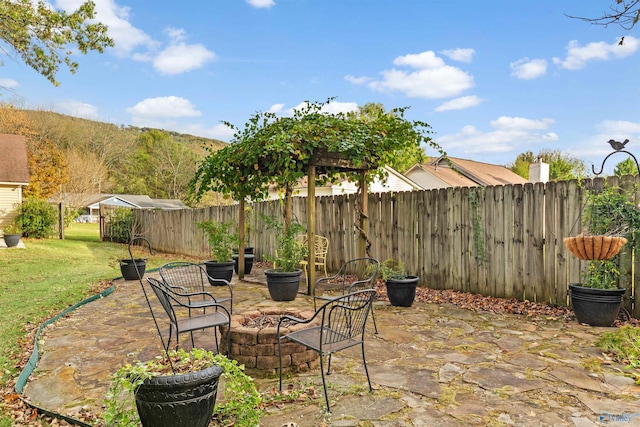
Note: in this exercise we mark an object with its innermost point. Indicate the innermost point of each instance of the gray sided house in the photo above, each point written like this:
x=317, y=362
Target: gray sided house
x=461, y=173
x=14, y=175
x=90, y=203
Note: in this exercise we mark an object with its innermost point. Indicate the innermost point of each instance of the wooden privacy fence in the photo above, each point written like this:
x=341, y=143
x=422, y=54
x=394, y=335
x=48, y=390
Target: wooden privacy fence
x=503, y=241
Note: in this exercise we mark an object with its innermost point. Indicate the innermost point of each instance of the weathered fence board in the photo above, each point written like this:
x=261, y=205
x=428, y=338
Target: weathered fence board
x=503, y=241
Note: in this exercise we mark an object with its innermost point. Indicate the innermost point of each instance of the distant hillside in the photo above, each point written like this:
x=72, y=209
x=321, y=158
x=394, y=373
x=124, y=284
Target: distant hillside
x=195, y=142
x=104, y=157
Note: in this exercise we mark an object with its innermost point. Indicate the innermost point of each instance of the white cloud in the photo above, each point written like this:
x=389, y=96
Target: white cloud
x=509, y=134
x=77, y=108
x=462, y=55
x=459, y=103
x=505, y=122
x=176, y=34
x=163, y=107
x=127, y=38
x=220, y=131
x=8, y=83
x=132, y=42
x=578, y=56
x=275, y=108
x=261, y=4
x=527, y=69
x=357, y=80
x=180, y=58
x=432, y=79
x=597, y=146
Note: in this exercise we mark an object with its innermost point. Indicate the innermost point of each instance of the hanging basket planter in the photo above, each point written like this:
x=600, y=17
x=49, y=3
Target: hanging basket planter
x=594, y=247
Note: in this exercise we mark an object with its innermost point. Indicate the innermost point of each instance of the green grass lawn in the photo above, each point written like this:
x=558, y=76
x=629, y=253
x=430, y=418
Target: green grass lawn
x=48, y=276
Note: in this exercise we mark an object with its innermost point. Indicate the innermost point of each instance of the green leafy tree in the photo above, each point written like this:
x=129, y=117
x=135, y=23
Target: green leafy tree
x=562, y=166
x=43, y=36
x=159, y=167
x=404, y=158
x=626, y=167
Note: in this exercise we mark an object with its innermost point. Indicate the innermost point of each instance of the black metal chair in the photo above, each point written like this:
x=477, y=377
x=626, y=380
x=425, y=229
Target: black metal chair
x=189, y=280
x=356, y=274
x=170, y=301
x=342, y=325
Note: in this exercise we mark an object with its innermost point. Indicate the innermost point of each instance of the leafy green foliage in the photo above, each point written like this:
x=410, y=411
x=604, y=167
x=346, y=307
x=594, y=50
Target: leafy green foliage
x=562, y=166
x=121, y=220
x=37, y=217
x=392, y=269
x=14, y=227
x=41, y=35
x=405, y=157
x=601, y=274
x=624, y=345
x=279, y=150
x=242, y=400
x=626, y=167
x=476, y=227
x=289, y=248
x=222, y=242
x=610, y=211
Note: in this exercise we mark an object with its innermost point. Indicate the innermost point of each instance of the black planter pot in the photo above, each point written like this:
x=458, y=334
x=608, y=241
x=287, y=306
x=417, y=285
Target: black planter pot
x=179, y=400
x=219, y=270
x=402, y=292
x=283, y=285
x=248, y=262
x=247, y=250
x=596, y=307
x=11, y=240
x=128, y=268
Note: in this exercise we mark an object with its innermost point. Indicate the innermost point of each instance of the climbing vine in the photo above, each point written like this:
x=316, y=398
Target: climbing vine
x=476, y=227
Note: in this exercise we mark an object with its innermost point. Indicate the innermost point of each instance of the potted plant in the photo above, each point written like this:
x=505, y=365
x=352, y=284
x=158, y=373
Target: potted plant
x=283, y=280
x=401, y=287
x=12, y=232
x=132, y=268
x=610, y=218
x=180, y=389
x=222, y=243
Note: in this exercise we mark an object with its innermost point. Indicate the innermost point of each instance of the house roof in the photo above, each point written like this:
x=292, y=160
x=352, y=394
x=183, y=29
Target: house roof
x=457, y=172
x=482, y=173
x=303, y=182
x=133, y=200
x=447, y=175
x=14, y=167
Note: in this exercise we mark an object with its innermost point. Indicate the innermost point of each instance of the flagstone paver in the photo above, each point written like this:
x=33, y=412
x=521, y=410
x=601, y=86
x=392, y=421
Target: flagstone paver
x=431, y=365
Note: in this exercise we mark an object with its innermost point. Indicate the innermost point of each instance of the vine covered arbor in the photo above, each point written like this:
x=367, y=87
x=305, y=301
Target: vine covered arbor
x=313, y=142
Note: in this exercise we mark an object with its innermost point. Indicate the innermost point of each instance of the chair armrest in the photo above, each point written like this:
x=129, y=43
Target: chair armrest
x=181, y=290
x=356, y=283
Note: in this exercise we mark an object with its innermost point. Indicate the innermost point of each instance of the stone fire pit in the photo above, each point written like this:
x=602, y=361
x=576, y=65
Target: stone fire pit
x=254, y=342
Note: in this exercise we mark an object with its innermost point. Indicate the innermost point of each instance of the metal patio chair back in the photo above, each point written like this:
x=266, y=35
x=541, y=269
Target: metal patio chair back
x=182, y=324
x=356, y=274
x=342, y=325
x=186, y=279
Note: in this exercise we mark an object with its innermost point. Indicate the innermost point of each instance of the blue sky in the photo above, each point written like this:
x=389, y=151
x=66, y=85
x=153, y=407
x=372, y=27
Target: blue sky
x=493, y=78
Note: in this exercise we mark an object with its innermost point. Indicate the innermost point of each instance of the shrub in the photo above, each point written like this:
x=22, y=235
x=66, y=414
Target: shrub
x=38, y=218
x=222, y=242
x=121, y=220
